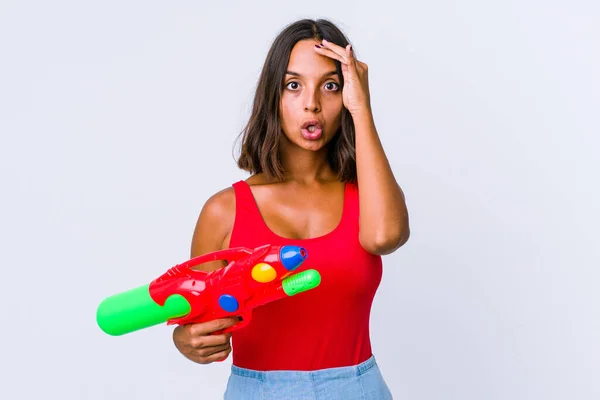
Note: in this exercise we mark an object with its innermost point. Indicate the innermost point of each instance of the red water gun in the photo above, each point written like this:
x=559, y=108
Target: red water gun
x=182, y=295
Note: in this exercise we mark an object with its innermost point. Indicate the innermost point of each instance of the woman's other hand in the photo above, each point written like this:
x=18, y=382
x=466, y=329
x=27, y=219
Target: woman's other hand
x=197, y=342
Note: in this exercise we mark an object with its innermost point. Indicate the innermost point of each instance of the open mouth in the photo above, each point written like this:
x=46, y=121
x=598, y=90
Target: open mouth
x=312, y=129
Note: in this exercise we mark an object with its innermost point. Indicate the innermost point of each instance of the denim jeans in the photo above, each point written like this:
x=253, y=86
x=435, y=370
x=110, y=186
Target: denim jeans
x=363, y=381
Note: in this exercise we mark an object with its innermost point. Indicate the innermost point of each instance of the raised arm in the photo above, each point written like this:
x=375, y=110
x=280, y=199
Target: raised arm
x=383, y=215
x=383, y=221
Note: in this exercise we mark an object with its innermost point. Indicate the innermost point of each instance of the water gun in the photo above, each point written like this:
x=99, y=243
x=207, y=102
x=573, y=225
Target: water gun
x=253, y=277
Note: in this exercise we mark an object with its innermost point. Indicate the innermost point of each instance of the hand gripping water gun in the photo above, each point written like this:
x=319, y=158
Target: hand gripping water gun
x=182, y=295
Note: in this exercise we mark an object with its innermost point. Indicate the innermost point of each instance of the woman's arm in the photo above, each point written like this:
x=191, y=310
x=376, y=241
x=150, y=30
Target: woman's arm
x=383, y=215
x=213, y=227
x=383, y=221
x=197, y=342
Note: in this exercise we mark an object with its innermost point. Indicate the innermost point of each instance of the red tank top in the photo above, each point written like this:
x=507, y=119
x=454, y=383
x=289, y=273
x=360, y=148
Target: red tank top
x=325, y=327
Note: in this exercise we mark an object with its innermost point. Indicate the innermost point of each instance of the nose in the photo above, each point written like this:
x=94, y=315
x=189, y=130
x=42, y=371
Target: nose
x=312, y=101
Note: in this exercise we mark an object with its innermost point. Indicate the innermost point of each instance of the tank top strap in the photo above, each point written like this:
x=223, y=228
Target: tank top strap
x=352, y=194
x=351, y=207
x=248, y=220
x=245, y=204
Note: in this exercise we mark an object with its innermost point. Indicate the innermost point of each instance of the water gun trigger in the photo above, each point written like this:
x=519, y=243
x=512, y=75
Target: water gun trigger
x=245, y=320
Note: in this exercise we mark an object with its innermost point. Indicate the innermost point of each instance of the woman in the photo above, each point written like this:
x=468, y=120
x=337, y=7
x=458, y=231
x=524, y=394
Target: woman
x=320, y=179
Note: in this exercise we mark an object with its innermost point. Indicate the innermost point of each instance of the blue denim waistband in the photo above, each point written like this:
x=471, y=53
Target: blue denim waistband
x=327, y=373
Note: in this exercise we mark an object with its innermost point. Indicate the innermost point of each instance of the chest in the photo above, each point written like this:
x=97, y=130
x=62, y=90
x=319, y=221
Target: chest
x=301, y=214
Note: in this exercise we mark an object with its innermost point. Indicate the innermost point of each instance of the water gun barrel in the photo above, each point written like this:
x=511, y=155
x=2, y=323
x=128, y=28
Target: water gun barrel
x=301, y=282
x=290, y=286
x=134, y=309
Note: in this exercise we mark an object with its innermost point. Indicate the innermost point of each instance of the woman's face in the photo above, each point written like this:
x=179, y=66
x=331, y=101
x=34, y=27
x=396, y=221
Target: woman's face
x=311, y=102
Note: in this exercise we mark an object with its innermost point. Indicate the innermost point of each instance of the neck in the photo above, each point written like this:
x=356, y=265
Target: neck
x=304, y=166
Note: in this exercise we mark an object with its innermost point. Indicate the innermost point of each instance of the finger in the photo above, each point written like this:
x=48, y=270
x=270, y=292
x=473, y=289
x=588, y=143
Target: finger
x=330, y=53
x=351, y=58
x=209, y=351
x=220, y=356
x=199, y=342
x=206, y=328
x=352, y=61
x=339, y=50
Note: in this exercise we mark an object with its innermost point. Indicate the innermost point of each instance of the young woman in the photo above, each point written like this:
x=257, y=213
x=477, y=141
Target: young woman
x=320, y=179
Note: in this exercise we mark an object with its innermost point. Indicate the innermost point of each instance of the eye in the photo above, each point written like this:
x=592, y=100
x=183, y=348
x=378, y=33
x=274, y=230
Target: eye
x=333, y=86
x=293, y=85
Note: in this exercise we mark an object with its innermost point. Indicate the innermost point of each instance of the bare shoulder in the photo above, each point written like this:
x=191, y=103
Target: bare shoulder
x=215, y=223
x=221, y=204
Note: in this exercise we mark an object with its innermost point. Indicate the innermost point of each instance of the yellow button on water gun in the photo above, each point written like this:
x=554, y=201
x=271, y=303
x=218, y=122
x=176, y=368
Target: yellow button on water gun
x=263, y=273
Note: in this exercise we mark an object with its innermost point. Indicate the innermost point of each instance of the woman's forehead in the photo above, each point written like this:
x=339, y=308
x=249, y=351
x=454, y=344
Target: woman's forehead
x=304, y=60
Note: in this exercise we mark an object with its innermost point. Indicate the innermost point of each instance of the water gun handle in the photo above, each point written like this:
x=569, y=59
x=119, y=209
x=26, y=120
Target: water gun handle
x=232, y=254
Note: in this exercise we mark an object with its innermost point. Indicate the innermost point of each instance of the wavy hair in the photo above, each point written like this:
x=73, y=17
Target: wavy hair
x=261, y=135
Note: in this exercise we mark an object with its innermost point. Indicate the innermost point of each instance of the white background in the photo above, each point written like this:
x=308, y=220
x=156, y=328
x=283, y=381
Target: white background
x=118, y=120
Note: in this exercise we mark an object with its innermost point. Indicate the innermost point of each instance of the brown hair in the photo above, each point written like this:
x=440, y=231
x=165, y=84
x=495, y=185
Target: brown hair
x=261, y=135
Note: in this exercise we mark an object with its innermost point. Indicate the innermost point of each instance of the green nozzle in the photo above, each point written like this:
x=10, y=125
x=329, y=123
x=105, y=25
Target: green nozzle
x=132, y=310
x=301, y=282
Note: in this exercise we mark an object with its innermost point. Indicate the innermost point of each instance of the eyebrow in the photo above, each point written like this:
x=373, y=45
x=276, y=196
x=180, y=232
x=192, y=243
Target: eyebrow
x=330, y=73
